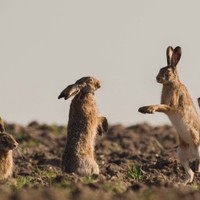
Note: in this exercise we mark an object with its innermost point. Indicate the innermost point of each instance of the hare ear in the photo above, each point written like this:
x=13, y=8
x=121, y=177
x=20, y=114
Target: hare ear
x=2, y=129
x=176, y=56
x=169, y=55
x=69, y=91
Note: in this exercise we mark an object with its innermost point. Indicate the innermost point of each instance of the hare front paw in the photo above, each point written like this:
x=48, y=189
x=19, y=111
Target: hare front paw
x=103, y=125
x=147, y=109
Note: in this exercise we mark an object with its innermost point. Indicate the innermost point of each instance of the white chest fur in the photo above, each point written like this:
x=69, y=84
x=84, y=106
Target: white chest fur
x=184, y=130
x=181, y=126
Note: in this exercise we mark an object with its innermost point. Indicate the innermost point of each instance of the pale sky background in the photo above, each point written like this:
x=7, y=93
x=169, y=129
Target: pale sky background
x=46, y=45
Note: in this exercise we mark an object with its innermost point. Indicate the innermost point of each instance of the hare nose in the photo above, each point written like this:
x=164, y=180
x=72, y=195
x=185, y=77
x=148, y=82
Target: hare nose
x=159, y=79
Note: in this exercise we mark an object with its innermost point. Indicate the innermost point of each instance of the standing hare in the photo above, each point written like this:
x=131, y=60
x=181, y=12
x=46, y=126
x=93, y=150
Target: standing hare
x=7, y=144
x=177, y=104
x=83, y=125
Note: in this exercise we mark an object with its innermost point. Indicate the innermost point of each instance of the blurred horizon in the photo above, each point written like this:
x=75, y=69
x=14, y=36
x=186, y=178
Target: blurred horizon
x=47, y=45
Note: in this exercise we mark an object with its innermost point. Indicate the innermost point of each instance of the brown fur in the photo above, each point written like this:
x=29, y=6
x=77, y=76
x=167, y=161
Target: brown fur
x=6, y=164
x=83, y=125
x=7, y=144
x=177, y=104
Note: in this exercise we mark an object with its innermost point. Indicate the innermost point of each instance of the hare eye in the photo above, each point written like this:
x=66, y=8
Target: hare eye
x=168, y=70
x=4, y=139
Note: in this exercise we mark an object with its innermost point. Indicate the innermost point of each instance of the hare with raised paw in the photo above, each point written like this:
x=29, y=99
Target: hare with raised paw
x=177, y=104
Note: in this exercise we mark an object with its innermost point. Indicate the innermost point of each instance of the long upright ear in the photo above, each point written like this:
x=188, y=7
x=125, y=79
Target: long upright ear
x=176, y=56
x=169, y=53
x=2, y=129
x=69, y=91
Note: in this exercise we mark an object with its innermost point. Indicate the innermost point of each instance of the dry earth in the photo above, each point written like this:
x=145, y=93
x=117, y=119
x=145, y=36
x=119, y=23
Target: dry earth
x=136, y=162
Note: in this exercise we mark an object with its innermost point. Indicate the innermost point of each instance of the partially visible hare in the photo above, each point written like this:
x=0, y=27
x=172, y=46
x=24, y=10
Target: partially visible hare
x=7, y=144
x=177, y=104
x=83, y=125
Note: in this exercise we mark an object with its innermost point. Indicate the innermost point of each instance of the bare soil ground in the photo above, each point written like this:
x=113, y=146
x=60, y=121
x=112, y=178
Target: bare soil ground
x=136, y=162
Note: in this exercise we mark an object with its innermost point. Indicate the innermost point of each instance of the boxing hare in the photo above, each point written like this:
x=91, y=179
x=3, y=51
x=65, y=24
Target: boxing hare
x=177, y=104
x=83, y=125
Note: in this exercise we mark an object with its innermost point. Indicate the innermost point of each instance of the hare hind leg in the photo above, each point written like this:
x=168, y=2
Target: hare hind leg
x=198, y=166
x=182, y=154
x=198, y=161
x=95, y=168
x=190, y=173
x=88, y=167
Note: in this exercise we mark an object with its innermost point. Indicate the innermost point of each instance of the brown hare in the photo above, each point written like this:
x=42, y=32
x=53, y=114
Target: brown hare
x=7, y=144
x=83, y=125
x=177, y=104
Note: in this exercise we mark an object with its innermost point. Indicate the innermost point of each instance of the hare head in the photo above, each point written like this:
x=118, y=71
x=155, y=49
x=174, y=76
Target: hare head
x=7, y=142
x=84, y=85
x=169, y=73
